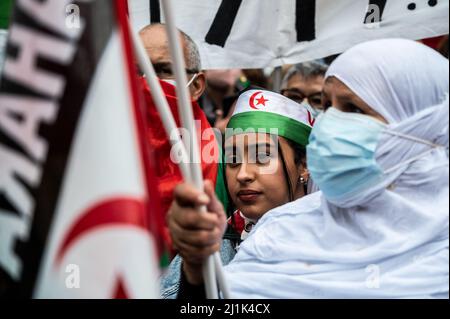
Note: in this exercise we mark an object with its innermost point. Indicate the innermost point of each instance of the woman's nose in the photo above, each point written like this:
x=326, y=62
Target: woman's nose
x=245, y=174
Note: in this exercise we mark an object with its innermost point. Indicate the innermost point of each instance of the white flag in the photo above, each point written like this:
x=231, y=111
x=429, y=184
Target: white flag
x=74, y=200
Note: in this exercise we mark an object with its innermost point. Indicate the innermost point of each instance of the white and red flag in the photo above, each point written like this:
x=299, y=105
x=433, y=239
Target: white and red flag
x=78, y=218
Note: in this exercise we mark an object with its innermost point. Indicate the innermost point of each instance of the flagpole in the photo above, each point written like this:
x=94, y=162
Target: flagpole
x=223, y=284
x=187, y=119
x=170, y=126
x=277, y=79
x=161, y=102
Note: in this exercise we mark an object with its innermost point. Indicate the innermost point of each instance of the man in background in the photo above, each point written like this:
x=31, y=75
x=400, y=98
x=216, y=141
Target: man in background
x=304, y=83
x=156, y=43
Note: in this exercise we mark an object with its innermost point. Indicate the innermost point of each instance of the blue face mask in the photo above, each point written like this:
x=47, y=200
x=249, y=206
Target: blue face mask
x=341, y=152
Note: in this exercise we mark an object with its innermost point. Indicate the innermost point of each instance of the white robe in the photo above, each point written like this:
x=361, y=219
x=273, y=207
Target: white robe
x=390, y=241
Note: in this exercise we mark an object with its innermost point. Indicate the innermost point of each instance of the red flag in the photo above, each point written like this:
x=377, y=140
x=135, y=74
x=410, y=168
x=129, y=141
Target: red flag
x=167, y=171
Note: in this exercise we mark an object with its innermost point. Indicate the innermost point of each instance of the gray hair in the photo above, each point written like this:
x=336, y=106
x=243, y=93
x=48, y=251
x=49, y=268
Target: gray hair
x=306, y=70
x=194, y=61
x=193, y=54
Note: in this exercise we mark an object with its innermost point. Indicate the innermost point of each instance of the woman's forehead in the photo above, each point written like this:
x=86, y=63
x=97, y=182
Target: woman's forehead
x=248, y=139
x=337, y=91
x=333, y=86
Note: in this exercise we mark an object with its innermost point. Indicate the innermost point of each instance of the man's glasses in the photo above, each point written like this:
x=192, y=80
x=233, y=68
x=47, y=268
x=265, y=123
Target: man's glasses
x=164, y=71
x=315, y=99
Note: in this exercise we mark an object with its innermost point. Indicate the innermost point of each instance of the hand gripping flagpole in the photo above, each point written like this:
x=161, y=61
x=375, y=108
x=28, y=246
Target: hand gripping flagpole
x=213, y=263
x=170, y=127
x=187, y=120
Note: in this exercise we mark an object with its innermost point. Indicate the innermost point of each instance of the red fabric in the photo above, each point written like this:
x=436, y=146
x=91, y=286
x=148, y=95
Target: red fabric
x=237, y=222
x=156, y=221
x=167, y=172
x=433, y=42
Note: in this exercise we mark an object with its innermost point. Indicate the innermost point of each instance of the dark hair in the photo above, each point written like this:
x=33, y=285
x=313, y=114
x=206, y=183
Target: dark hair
x=299, y=151
x=299, y=159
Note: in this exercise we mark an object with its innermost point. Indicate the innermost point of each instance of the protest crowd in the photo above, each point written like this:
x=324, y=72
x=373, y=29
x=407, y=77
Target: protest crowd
x=312, y=169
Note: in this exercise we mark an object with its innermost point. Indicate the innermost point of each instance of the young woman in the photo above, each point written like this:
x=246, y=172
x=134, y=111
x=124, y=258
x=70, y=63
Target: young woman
x=265, y=167
x=379, y=228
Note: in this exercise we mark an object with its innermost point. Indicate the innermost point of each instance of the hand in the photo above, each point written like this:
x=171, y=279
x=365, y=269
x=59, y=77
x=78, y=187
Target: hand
x=195, y=234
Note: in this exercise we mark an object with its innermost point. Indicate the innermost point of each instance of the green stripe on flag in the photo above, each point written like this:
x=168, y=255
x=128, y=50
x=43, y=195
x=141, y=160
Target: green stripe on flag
x=287, y=127
x=5, y=12
x=164, y=260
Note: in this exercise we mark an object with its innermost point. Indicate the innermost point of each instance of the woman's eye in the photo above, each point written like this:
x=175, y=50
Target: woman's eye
x=353, y=109
x=263, y=158
x=326, y=105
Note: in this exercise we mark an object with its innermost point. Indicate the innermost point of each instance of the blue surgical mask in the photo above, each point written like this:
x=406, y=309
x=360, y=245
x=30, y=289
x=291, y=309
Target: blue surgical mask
x=341, y=152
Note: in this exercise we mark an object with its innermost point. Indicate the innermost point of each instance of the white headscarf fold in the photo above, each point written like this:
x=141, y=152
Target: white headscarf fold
x=390, y=241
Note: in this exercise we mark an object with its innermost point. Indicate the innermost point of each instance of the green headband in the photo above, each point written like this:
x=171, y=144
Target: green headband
x=260, y=121
x=264, y=111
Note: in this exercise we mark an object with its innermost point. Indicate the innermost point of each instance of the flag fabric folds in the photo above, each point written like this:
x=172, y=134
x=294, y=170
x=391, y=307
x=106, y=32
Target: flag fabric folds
x=78, y=215
x=166, y=168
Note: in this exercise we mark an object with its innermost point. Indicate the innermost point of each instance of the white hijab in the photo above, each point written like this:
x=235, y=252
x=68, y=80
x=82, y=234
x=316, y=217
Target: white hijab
x=391, y=241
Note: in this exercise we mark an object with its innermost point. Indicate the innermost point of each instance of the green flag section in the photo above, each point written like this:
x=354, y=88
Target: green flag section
x=5, y=11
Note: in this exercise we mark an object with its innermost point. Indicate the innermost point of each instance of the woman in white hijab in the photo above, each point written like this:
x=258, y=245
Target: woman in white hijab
x=380, y=226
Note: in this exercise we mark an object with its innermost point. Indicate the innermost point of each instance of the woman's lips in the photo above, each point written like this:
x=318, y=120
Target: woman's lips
x=248, y=196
